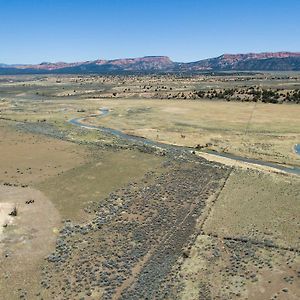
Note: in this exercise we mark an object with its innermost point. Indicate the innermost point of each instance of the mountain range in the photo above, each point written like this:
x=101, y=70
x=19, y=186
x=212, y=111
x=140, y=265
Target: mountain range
x=267, y=61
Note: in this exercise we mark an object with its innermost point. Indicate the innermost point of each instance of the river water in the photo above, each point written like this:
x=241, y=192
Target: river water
x=148, y=142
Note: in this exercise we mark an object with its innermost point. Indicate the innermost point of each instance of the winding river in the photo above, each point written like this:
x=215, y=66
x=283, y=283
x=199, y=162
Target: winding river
x=148, y=142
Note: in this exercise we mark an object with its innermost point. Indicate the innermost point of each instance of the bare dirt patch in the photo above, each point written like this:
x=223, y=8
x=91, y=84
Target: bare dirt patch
x=25, y=241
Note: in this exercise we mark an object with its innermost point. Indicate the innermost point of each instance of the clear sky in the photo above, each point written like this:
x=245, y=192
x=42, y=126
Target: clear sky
x=32, y=31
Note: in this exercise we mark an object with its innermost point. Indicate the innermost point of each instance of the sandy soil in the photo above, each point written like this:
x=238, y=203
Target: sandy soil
x=25, y=241
x=239, y=164
x=5, y=218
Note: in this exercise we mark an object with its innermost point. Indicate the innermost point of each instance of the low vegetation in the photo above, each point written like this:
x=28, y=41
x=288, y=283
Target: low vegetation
x=86, y=213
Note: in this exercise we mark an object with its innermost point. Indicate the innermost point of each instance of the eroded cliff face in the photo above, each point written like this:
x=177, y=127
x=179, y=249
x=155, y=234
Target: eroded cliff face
x=267, y=61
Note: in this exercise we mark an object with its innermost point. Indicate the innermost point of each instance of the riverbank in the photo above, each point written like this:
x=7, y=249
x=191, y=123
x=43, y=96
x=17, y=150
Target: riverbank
x=225, y=158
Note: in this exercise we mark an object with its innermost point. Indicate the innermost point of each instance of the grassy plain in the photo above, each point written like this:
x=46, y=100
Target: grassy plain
x=248, y=207
x=262, y=131
x=255, y=130
x=139, y=222
x=62, y=178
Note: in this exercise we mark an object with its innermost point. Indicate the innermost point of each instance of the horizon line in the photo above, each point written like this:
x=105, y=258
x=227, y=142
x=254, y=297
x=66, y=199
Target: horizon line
x=145, y=56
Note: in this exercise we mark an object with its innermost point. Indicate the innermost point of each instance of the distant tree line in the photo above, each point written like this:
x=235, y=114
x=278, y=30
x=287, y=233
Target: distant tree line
x=254, y=94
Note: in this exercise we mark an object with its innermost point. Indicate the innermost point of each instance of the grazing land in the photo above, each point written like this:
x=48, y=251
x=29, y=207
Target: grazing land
x=107, y=192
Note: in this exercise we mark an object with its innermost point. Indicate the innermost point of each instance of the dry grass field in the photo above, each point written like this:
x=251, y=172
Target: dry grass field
x=249, y=129
x=262, y=131
x=86, y=214
x=246, y=247
x=248, y=207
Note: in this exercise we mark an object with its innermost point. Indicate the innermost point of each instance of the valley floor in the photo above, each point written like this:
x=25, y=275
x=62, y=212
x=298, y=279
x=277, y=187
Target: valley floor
x=88, y=215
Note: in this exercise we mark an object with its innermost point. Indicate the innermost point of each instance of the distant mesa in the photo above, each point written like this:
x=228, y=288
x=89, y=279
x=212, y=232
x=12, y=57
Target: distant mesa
x=267, y=61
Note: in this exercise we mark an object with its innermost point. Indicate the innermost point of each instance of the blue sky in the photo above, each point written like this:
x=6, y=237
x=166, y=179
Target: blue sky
x=33, y=31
